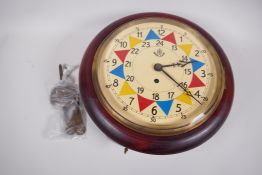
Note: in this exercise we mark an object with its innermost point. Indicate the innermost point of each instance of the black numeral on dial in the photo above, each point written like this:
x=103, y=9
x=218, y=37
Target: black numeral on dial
x=159, y=43
x=139, y=34
x=128, y=63
x=146, y=44
x=131, y=100
x=123, y=44
x=115, y=83
x=197, y=94
x=154, y=110
x=178, y=107
x=174, y=47
x=188, y=71
x=130, y=78
x=114, y=62
x=203, y=73
x=171, y=94
x=134, y=51
x=161, y=32
x=155, y=96
x=140, y=90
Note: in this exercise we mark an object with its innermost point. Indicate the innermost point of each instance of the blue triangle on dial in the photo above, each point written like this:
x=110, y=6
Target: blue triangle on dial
x=165, y=105
x=151, y=35
x=196, y=64
x=119, y=71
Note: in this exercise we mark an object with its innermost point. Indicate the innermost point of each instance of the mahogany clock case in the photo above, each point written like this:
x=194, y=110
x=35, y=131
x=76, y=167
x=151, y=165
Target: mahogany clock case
x=148, y=143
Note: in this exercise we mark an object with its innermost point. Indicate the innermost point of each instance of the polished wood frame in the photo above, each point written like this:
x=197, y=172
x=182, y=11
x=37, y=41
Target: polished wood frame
x=149, y=143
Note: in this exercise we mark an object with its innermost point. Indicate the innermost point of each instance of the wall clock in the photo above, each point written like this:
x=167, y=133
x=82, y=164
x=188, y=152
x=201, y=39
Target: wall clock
x=156, y=83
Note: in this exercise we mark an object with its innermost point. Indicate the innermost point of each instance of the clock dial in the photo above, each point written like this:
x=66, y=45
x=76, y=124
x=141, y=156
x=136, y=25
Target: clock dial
x=158, y=76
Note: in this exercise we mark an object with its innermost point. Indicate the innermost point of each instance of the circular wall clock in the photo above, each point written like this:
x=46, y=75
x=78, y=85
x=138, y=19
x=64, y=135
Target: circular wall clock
x=156, y=83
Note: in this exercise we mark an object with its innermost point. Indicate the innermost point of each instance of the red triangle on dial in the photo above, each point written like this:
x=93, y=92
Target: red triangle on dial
x=196, y=82
x=143, y=102
x=122, y=54
x=170, y=37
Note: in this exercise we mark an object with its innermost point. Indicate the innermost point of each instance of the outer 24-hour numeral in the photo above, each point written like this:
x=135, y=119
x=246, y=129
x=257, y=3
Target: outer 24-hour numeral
x=171, y=95
x=184, y=58
x=188, y=71
x=128, y=63
x=174, y=47
x=130, y=78
x=146, y=44
x=159, y=43
x=134, y=51
x=140, y=90
x=183, y=84
x=155, y=96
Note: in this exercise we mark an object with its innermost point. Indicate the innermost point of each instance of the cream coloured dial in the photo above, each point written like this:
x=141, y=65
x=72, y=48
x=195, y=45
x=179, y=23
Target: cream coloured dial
x=158, y=76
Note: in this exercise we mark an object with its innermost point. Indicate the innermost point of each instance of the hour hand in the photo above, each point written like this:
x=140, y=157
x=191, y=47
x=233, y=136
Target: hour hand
x=159, y=67
x=180, y=63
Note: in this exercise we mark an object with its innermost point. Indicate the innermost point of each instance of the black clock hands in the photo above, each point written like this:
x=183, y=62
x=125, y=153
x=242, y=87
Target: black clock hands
x=180, y=63
x=159, y=67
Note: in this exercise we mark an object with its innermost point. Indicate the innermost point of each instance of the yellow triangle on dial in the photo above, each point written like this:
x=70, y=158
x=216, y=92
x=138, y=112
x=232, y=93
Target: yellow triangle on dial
x=134, y=41
x=126, y=89
x=186, y=48
x=185, y=98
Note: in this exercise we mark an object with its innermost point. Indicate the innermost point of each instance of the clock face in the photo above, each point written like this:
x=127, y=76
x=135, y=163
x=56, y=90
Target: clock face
x=158, y=76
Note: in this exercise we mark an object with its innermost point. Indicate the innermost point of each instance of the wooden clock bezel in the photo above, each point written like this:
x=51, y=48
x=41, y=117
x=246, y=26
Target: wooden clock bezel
x=148, y=143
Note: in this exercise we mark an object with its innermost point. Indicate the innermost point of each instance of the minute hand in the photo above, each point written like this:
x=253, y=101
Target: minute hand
x=182, y=87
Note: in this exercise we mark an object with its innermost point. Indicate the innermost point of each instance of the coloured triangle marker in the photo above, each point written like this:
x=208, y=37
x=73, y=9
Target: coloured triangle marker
x=196, y=82
x=126, y=90
x=143, y=102
x=170, y=37
x=196, y=64
x=186, y=48
x=165, y=105
x=134, y=41
x=184, y=98
x=152, y=35
x=119, y=71
x=121, y=54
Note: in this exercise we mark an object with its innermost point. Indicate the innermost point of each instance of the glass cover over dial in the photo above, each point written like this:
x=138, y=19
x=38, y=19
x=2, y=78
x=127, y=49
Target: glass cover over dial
x=158, y=76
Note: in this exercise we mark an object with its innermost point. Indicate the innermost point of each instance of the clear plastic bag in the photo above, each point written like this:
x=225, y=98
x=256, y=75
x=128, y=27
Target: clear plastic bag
x=66, y=100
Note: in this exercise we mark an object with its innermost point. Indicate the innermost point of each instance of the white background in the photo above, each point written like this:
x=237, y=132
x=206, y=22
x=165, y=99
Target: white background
x=35, y=36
